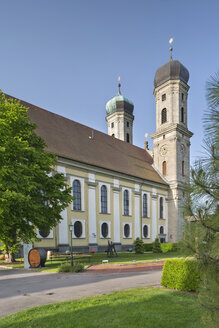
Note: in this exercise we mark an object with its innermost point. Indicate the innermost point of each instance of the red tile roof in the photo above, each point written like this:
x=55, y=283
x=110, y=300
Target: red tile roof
x=78, y=142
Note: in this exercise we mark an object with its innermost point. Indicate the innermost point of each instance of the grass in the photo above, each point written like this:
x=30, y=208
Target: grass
x=142, y=307
x=96, y=258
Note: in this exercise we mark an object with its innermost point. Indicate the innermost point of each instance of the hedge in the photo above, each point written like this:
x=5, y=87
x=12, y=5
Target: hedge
x=181, y=274
x=168, y=247
x=165, y=247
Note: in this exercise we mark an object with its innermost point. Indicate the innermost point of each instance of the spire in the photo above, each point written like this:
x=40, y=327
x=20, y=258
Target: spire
x=171, y=48
x=119, y=85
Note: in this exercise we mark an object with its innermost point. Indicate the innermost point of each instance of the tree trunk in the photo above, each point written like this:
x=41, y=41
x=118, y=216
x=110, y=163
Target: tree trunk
x=9, y=258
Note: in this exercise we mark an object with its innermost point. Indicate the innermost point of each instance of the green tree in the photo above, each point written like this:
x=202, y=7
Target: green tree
x=32, y=194
x=202, y=229
x=156, y=246
x=139, y=246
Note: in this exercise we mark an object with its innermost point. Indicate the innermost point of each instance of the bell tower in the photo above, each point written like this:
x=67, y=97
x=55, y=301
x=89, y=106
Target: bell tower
x=119, y=117
x=171, y=141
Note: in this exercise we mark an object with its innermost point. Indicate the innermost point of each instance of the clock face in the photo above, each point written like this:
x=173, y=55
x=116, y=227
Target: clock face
x=163, y=150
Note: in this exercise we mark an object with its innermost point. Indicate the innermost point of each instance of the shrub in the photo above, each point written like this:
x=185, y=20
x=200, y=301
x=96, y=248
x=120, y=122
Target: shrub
x=148, y=247
x=156, y=246
x=168, y=247
x=65, y=267
x=139, y=246
x=181, y=274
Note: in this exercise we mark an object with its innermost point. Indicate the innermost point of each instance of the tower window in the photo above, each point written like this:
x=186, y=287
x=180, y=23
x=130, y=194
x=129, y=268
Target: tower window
x=161, y=230
x=112, y=125
x=113, y=135
x=163, y=136
x=182, y=115
x=164, y=168
x=183, y=168
x=182, y=96
x=127, y=124
x=127, y=137
x=163, y=115
x=164, y=97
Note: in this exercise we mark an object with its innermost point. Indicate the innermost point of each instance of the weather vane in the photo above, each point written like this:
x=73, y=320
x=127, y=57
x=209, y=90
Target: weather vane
x=171, y=48
x=119, y=85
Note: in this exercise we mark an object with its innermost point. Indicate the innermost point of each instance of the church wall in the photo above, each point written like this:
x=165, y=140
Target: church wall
x=92, y=218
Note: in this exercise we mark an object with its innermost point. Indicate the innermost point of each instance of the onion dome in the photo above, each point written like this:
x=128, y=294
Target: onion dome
x=119, y=103
x=173, y=70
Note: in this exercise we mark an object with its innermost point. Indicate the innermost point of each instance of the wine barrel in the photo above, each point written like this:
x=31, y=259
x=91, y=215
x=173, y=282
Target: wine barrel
x=37, y=257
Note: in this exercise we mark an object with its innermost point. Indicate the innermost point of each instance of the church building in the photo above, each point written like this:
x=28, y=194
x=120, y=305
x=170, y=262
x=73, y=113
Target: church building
x=122, y=191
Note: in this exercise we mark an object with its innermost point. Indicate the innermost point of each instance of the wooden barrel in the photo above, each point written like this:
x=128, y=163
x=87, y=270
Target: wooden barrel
x=37, y=257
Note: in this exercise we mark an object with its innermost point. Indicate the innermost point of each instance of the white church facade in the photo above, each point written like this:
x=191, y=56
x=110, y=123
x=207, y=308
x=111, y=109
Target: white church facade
x=122, y=191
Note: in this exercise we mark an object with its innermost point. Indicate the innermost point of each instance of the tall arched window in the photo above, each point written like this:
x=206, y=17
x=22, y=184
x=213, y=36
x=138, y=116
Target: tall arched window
x=161, y=207
x=145, y=206
x=77, y=195
x=182, y=115
x=127, y=137
x=161, y=230
x=164, y=168
x=183, y=168
x=126, y=202
x=163, y=115
x=103, y=199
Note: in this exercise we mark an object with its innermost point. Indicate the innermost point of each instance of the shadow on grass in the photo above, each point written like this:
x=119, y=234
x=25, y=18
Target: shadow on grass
x=144, y=308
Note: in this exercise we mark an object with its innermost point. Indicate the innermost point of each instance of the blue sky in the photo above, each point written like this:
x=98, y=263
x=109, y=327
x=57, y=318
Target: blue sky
x=66, y=55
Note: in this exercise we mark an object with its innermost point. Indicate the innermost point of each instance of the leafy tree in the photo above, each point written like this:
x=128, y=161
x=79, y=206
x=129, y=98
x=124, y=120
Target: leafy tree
x=32, y=194
x=156, y=246
x=202, y=229
x=139, y=246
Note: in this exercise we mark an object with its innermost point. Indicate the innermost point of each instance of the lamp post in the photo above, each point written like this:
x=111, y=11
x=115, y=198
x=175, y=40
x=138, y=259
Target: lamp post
x=71, y=228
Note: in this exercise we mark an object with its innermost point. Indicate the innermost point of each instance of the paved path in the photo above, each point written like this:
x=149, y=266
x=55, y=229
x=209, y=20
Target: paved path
x=23, y=289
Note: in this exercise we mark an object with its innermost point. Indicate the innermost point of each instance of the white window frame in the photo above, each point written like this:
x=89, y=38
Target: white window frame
x=109, y=229
x=83, y=228
x=72, y=178
x=148, y=203
x=50, y=236
x=130, y=225
x=164, y=207
x=149, y=231
x=108, y=196
x=130, y=200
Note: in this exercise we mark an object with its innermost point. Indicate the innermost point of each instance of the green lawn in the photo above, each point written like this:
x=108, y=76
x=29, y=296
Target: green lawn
x=142, y=307
x=123, y=258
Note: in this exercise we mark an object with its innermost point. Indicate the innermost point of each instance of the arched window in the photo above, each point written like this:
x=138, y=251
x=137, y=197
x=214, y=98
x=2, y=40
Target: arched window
x=161, y=207
x=127, y=137
x=182, y=115
x=113, y=135
x=145, y=206
x=78, y=229
x=103, y=196
x=161, y=230
x=126, y=202
x=77, y=195
x=145, y=231
x=126, y=230
x=164, y=168
x=183, y=168
x=104, y=230
x=163, y=115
